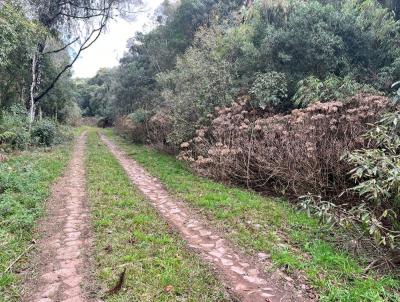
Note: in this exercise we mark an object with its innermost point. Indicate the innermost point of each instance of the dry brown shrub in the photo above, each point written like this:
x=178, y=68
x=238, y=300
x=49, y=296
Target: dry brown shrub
x=296, y=154
x=159, y=127
x=130, y=130
x=89, y=121
x=153, y=132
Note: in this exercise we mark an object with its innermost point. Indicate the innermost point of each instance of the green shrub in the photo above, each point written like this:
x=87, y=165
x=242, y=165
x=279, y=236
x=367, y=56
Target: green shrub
x=201, y=80
x=46, y=133
x=333, y=88
x=140, y=116
x=14, y=130
x=22, y=140
x=7, y=136
x=377, y=172
x=269, y=89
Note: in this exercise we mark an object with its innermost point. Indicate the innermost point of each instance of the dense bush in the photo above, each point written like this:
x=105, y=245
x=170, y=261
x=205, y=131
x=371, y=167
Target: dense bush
x=14, y=130
x=311, y=90
x=285, y=54
x=269, y=89
x=16, y=133
x=349, y=38
x=71, y=114
x=46, y=133
x=126, y=127
x=201, y=80
x=159, y=127
x=298, y=153
x=377, y=173
x=155, y=131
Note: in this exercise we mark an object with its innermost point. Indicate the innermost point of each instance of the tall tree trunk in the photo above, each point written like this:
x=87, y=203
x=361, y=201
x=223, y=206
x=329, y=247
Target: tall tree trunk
x=33, y=89
x=36, y=78
x=40, y=113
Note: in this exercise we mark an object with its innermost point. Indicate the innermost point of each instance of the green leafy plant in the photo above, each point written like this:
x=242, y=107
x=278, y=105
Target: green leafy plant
x=140, y=116
x=46, y=133
x=360, y=218
x=269, y=89
x=14, y=132
x=312, y=89
x=7, y=137
x=377, y=173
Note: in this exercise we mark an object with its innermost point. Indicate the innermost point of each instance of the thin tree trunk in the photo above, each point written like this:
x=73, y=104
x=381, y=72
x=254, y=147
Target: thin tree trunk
x=33, y=89
x=36, y=78
x=56, y=116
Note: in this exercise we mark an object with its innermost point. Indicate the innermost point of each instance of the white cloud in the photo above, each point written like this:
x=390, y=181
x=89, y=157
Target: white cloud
x=111, y=45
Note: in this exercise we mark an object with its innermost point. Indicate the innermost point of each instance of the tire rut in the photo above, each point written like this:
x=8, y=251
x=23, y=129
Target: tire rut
x=60, y=268
x=241, y=274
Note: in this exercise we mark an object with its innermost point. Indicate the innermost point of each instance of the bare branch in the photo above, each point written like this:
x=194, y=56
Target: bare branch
x=88, y=42
x=61, y=49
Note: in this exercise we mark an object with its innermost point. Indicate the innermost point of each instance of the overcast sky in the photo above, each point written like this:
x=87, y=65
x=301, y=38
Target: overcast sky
x=111, y=45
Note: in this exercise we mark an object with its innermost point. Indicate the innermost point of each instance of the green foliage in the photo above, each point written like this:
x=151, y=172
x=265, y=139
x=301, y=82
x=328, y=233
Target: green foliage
x=269, y=89
x=71, y=114
x=7, y=137
x=333, y=88
x=285, y=53
x=46, y=133
x=201, y=81
x=24, y=186
x=15, y=134
x=140, y=116
x=14, y=128
x=316, y=39
x=136, y=84
x=18, y=36
x=377, y=172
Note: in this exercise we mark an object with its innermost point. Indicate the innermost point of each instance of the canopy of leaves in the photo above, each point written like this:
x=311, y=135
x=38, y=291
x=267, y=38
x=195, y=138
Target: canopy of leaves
x=284, y=53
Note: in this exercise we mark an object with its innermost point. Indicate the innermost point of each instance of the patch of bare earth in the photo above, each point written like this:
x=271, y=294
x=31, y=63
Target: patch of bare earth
x=60, y=269
x=241, y=274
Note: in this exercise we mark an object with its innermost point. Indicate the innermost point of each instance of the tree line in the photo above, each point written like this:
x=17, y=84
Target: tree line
x=286, y=54
x=290, y=97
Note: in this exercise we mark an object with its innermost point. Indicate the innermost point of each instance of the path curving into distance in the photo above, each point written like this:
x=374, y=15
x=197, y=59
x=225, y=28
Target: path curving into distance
x=238, y=272
x=61, y=266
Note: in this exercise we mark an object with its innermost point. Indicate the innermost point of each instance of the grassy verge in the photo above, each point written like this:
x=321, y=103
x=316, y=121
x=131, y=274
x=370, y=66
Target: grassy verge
x=130, y=234
x=25, y=182
x=294, y=241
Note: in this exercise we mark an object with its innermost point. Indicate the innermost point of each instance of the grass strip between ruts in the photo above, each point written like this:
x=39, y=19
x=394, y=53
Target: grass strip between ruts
x=130, y=234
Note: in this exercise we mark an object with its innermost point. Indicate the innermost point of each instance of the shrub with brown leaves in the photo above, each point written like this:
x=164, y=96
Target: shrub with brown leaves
x=295, y=154
x=153, y=131
x=135, y=132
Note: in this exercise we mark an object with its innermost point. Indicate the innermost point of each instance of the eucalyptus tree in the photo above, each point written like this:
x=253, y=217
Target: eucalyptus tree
x=70, y=24
x=18, y=36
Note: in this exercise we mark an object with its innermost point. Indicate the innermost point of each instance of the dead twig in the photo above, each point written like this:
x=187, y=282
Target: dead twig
x=18, y=258
x=119, y=284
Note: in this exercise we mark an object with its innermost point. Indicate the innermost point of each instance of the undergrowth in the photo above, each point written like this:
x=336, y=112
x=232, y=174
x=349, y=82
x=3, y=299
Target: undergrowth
x=25, y=181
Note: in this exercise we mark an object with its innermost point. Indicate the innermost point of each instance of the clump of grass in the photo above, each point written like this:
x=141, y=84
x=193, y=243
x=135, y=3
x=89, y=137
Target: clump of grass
x=129, y=234
x=296, y=242
x=24, y=186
